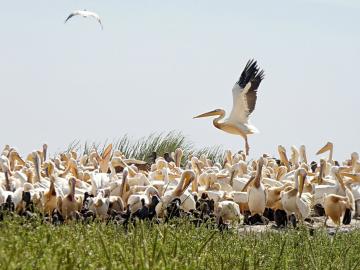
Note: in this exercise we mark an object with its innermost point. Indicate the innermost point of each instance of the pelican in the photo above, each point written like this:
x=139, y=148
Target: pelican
x=256, y=191
x=85, y=13
x=294, y=200
x=329, y=146
x=340, y=203
x=244, y=101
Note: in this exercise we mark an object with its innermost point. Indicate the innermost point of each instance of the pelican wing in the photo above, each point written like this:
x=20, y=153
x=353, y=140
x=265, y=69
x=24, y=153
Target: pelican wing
x=356, y=191
x=97, y=17
x=240, y=197
x=72, y=15
x=304, y=204
x=321, y=190
x=245, y=92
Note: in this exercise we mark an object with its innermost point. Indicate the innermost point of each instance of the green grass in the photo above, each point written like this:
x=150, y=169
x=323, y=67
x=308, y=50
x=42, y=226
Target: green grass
x=179, y=245
x=143, y=147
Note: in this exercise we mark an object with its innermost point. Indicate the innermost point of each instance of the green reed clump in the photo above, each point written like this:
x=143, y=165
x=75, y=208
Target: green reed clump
x=142, y=148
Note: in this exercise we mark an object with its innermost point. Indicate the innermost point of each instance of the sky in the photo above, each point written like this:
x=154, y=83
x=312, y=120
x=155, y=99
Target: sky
x=157, y=64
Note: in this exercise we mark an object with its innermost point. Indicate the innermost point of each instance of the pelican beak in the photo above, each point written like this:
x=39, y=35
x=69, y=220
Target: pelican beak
x=344, y=169
x=44, y=151
x=20, y=160
x=228, y=156
x=327, y=147
x=302, y=182
x=232, y=177
x=207, y=114
x=303, y=153
x=341, y=181
x=50, y=168
x=178, y=156
x=354, y=176
x=189, y=177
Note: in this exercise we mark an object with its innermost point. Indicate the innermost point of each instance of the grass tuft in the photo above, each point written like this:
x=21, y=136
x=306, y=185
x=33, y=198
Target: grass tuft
x=142, y=148
x=177, y=245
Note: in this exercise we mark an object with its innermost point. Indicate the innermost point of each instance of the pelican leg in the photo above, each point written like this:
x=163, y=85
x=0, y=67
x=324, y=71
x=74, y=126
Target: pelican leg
x=247, y=148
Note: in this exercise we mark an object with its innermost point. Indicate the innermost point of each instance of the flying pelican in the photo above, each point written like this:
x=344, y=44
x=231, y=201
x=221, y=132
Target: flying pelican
x=85, y=13
x=244, y=100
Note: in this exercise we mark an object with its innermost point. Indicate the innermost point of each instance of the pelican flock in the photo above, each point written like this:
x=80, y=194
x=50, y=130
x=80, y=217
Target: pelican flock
x=110, y=186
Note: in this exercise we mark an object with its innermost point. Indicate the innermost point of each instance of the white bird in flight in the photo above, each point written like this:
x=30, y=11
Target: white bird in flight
x=85, y=13
x=244, y=100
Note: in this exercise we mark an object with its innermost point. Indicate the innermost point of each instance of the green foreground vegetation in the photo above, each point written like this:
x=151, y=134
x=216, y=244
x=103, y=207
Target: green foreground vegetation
x=31, y=244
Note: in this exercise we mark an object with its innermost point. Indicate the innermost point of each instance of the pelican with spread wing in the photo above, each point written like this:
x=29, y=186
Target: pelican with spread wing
x=244, y=101
x=85, y=13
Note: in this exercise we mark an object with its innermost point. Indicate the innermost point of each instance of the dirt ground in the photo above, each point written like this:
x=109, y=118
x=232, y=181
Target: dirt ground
x=317, y=223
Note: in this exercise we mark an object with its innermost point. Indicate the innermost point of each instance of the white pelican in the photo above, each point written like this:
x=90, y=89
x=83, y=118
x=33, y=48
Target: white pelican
x=256, y=193
x=70, y=203
x=186, y=178
x=85, y=13
x=294, y=200
x=244, y=101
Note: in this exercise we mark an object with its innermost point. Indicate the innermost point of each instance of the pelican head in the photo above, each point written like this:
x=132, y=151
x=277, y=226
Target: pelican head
x=281, y=149
x=355, y=156
x=294, y=154
x=261, y=162
x=327, y=147
x=303, y=153
x=211, y=113
x=283, y=157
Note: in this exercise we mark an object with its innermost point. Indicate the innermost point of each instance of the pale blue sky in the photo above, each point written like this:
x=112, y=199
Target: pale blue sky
x=159, y=63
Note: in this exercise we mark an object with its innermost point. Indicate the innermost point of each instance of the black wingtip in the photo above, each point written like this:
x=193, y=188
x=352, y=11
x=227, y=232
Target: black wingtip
x=261, y=75
x=251, y=74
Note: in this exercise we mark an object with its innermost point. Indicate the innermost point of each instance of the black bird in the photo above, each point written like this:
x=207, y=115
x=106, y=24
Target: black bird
x=280, y=218
x=347, y=217
x=126, y=216
x=152, y=157
x=86, y=200
x=293, y=221
x=29, y=205
x=257, y=220
x=319, y=210
x=143, y=212
x=211, y=203
x=173, y=209
x=89, y=215
x=154, y=202
x=26, y=197
x=221, y=225
x=269, y=214
x=57, y=218
x=168, y=158
x=313, y=166
x=9, y=204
